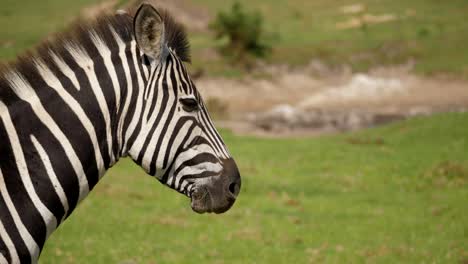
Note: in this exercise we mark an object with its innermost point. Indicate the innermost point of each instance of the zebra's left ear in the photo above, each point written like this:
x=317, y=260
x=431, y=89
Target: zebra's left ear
x=148, y=27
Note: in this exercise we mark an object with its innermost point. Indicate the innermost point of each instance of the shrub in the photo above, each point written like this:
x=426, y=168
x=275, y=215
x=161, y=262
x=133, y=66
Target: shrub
x=245, y=34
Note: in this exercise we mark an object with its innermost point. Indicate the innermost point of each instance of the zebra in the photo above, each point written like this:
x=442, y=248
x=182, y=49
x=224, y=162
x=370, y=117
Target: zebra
x=111, y=88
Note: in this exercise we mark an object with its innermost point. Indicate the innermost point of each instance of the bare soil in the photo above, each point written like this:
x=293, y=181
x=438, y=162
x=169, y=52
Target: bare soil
x=315, y=100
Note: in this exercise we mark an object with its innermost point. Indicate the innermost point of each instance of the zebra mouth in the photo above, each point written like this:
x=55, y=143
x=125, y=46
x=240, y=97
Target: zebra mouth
x=210, y=198
x=216, y=194
x=201, y=200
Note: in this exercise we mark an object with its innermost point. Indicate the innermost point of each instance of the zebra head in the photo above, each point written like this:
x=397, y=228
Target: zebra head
x=177, y=141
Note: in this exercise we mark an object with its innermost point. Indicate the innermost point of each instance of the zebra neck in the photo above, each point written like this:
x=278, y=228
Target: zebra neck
x=62, y=126
x=65, y=116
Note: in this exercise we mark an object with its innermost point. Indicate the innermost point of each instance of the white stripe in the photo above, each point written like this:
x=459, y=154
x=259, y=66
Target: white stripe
x=26, y=93
x=172, y=123
x=137, y=114
x=165, y=141
x=107, y=56
x=52, y=81
x=148, y=89
x=182, y=78
x=46, y=214
x=206, y=133
x=209, y=127
x=188, y=155
x=170, y=180
x=178, y=140
x=53, y=178
x=7, y=240
x=151, y=94
x=197, y=169
x=145, y=124
x=29, y=241
x=150, y=151
x=192, y=152
x=3, y=259
x=195, y=133
x=145, y=69
x=184, y=183
x=66, y=70
x=123, y=58
x=87, y=64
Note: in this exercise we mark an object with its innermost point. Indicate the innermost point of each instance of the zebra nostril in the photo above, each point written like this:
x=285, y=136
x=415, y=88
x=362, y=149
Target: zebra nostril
x=233, y=188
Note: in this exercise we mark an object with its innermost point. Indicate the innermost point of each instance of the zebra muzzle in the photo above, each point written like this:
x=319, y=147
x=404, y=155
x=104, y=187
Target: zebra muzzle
x=219, y=193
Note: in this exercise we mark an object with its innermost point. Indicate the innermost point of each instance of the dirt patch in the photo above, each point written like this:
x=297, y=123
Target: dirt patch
x=447, y=174
x=357, y=87
x=366, y=19
x=315, y=100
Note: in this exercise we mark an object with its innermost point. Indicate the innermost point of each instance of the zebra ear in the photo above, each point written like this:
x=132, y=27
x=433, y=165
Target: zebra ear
x=148, y=27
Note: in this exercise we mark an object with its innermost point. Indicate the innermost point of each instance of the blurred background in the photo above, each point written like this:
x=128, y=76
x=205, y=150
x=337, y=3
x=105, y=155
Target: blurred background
x=347, y=119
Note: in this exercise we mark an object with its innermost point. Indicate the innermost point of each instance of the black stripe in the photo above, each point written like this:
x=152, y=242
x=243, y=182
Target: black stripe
x=209, y=123
x=133, y=101
x=169, y=119
x=198, y=159
x=68, y=123
x=3, y=248
x=88, y=102
x=179, y=150
x=153, y=85
x=18, y=194
x=183, y=80
x=207, y=131
x=189, y=177
x=164, y=102
x=180, y=123
x=122, y=81
x=14, y=234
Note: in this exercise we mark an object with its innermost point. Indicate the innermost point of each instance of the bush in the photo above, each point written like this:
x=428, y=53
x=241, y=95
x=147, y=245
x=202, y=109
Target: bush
x=246, y=38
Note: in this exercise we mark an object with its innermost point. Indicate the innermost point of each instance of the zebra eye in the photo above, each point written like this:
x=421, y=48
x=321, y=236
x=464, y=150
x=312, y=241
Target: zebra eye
x=189, y=104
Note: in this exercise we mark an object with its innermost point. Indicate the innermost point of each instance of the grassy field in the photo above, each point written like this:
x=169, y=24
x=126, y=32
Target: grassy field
x=431, y=32
x=26, y=22
x=396, y=194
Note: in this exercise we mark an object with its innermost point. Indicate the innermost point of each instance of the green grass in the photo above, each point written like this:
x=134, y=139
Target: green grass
x=24, y=23
x=434, y=34
x=395, y=194
x=389, y=195
x=431, y=32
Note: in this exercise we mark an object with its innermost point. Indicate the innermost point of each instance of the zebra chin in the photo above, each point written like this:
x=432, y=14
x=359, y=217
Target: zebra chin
x=217, y=194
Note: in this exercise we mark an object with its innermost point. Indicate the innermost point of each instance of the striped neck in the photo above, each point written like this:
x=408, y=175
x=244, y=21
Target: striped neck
x=65, y=116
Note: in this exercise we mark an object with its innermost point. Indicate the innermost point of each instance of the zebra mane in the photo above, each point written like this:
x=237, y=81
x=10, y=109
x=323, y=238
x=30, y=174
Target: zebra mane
x=105, y=27
x=176, y=36
x=78, y=34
